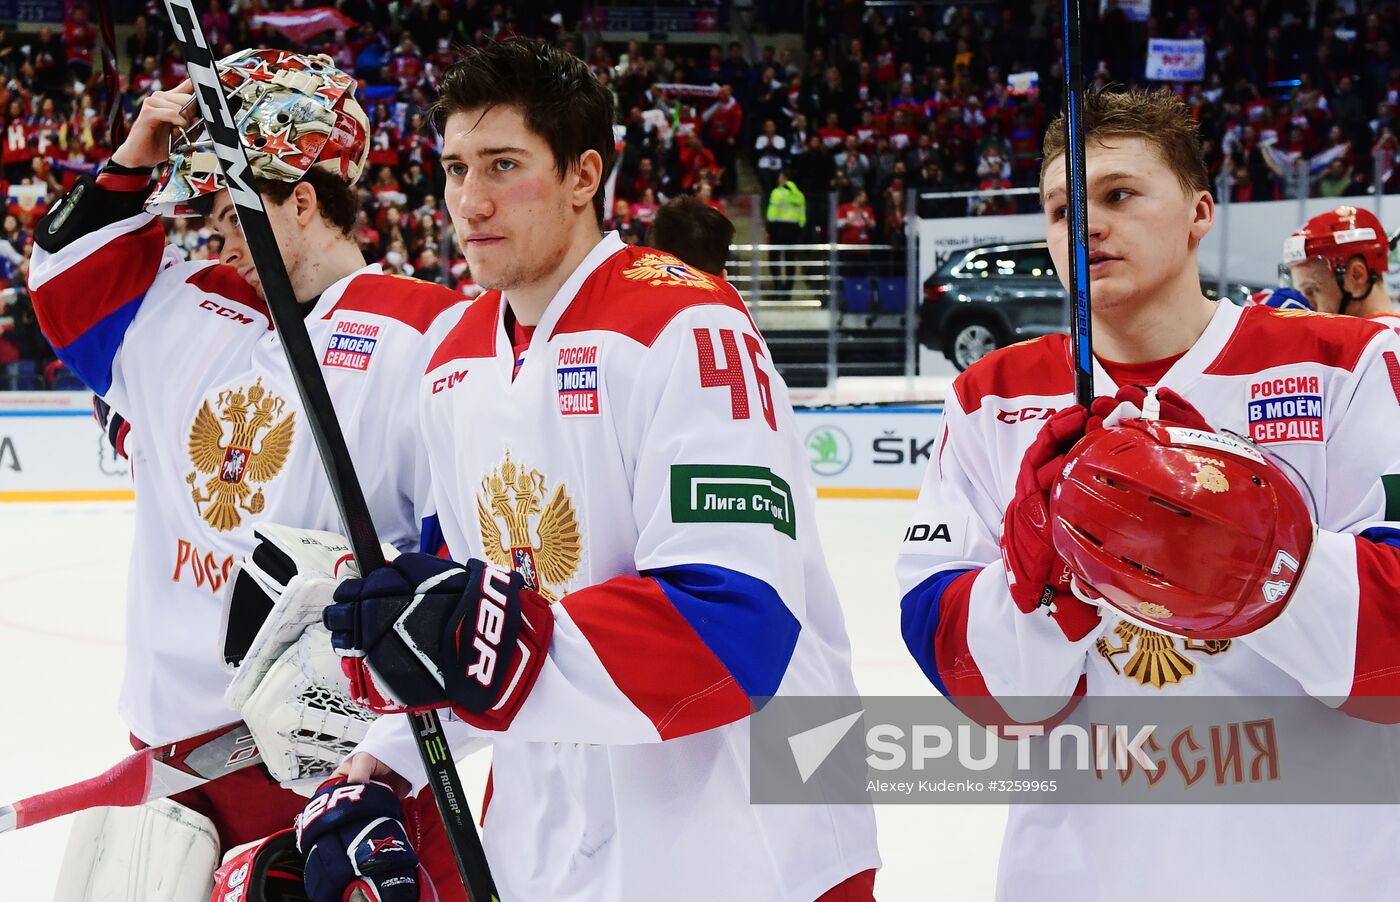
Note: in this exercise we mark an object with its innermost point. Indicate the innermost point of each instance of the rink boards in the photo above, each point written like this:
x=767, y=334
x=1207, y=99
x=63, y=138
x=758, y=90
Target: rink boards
x=52, y=450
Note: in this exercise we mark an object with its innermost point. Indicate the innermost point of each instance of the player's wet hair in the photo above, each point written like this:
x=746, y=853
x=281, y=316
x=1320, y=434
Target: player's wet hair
x=1157, y=116
x=556, y=93
x=338, y=202
x=694, y=231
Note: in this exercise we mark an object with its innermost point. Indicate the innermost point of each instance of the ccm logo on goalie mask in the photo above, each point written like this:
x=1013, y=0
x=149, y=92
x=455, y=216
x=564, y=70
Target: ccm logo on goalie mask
x=490, y=622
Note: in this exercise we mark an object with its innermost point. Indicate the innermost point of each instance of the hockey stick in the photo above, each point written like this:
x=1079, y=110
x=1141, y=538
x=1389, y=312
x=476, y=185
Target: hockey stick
x=325, y=428
x=1077, y=206
x=152, y=773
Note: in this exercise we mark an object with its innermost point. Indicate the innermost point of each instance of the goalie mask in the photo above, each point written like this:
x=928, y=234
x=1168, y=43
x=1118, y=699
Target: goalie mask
x=293, y=112
x=1191, y=533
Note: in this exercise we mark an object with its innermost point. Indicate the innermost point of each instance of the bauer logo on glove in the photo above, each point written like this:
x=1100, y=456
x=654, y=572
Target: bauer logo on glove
x=1186, y=532
x=426, y=633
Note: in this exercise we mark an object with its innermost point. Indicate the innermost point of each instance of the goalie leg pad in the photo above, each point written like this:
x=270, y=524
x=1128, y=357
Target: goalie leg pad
x=158, y=852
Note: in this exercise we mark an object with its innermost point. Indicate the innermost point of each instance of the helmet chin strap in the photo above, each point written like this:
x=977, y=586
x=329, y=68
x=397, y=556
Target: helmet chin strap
x=1341, y=275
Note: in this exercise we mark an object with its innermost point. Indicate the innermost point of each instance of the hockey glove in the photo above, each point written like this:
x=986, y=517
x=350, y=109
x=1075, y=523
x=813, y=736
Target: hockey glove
x=423, y=633
x=1035, y=572
x=114, y=425
x=1172, y=408
x=353, y=838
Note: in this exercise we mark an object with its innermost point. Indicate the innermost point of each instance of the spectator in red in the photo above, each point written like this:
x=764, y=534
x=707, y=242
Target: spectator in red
x=406, y=65
x=384, y=146
x=367, y=236
x=645, y=210
x=625, y=224
x=865, y=132
x=146, y=80
x=832, y=134
x=855, y=220
x=705, y=193
x=696, y=159
x=218, y=29
x=724, y=120
x=18, y=150
x=78, y=39
x=48, y=132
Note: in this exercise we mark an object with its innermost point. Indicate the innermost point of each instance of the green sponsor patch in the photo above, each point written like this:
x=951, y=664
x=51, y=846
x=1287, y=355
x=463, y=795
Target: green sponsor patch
x=1391, y=483
x=712, y=493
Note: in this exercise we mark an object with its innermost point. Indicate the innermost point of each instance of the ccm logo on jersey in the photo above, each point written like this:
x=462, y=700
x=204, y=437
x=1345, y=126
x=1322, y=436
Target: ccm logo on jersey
x=1025, y=414
x=1286, y=410
x=490, y=620
x=351, y=346
x=451, y=380
x=576, y=381
x=229, y=313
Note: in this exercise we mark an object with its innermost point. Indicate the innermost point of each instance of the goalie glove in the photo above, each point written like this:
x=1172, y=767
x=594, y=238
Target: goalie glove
x=353, y=839
x=424, y=633
x=288, y=685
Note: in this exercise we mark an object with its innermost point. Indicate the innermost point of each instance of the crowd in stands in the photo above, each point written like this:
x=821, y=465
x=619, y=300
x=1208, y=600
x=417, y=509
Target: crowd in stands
x=874, y=101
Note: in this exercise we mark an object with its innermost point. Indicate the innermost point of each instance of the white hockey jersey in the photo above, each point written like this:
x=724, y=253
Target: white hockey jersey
x=1320, y=392
x=644, y=469
x=219, y=442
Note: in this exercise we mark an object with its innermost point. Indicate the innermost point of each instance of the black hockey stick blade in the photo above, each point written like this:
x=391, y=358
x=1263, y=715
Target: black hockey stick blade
x=1077, y=206
x=325, y=428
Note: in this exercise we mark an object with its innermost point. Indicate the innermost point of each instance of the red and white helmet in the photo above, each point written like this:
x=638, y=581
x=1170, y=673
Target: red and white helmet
x=293, y=112
x=1187, y=532
x=1338, y=235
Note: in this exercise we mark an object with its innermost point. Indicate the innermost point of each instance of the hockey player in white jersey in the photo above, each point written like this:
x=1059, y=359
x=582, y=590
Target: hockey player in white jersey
x=1339, y=259
x=615, y=460
x=992, y=604
x=218, y=443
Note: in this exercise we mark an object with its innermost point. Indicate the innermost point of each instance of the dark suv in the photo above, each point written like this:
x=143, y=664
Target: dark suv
x=989, y=297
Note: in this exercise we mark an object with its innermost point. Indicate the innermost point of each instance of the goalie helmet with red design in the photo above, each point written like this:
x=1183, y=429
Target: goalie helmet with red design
x=293, y=112
x=1336, y=237
x=1192, y=533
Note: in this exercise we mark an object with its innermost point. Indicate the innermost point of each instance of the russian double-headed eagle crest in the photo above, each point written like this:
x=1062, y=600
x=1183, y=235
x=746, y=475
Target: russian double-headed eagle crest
x=254, y=451
x=514, y=494
x=657, y=269
x=1156, y=661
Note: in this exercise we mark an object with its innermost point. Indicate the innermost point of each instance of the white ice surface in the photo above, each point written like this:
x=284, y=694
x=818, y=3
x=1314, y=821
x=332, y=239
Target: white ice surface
x=62, y=587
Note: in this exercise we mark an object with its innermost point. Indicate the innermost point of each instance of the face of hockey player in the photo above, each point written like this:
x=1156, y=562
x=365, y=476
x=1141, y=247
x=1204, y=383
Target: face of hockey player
x=285, y=225
x=1314, y=278
x=518, y=223
x=1143, y=227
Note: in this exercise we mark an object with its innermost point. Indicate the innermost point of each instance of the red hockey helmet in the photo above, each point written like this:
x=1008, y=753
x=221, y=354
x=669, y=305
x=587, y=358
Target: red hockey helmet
x=1191, y=533
x=1338, y=235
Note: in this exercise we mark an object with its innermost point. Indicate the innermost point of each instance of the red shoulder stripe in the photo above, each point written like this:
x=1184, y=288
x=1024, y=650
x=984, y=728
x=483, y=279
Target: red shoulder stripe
x=620, y=296
x=1036, y=367
x=82, y=295
x=413, y=302
x=474, y=336
x=225, y=282
x=1267, y=338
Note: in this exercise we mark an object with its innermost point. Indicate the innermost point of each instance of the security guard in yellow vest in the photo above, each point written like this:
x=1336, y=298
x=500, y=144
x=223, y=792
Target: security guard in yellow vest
x=787, y=221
